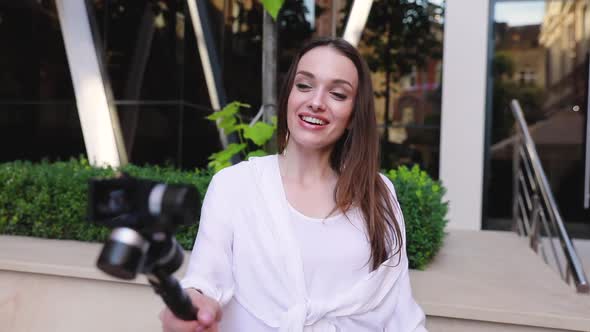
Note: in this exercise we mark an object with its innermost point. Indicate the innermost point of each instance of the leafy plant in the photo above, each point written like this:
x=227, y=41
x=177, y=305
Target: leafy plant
x=273, y=7
x=255, y=135
x=421, y=200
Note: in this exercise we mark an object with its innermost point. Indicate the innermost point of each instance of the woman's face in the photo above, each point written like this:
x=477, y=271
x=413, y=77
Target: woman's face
x=322, y=98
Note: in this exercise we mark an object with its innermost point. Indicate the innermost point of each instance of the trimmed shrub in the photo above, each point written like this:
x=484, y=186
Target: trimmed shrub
x=49, y=200
x=420, y=198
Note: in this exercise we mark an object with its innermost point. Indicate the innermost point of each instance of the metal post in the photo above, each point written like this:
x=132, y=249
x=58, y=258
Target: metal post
x=94, y=99
x=357, y=20
x=209, y=60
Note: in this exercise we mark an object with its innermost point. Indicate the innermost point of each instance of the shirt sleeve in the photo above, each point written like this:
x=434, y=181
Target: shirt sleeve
x=407, y=316
x=210, y=264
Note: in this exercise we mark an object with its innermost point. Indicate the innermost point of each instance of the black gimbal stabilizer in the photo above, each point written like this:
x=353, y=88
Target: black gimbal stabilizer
x=144, y=216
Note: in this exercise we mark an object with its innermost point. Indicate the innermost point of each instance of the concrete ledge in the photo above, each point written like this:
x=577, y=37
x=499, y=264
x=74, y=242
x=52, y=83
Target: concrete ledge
x=484, y=281
x=494, y=277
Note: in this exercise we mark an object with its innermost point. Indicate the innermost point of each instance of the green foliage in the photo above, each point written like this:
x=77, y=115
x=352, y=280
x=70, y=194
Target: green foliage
x=502, y=65
x=421, y=200
x=48, y=200
x=273, y=7
x=259, y=133
x=256, y=135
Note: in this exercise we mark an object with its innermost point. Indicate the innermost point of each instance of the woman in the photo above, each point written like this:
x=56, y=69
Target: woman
x=311, y=239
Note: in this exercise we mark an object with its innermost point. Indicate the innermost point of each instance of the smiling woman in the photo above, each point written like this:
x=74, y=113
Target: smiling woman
x=322, y=98
x=315, y=239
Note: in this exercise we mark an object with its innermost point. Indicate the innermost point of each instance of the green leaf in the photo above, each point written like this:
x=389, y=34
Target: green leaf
x=228, y=111
x=218, y=165
x=228, y=125
x=259, y=133
x=273, y=7
x=257, y=153
x=227, y=153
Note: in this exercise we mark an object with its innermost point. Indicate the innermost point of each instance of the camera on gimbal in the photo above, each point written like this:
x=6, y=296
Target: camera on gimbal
x=144, y=216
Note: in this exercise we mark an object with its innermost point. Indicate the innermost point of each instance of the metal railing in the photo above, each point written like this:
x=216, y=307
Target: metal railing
x=535, y=211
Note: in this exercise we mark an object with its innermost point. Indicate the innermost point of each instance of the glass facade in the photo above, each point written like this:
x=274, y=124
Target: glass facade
x=153, y=66
x=402, y=43
x=540, y=58
x=38, y=116
x=154, y=73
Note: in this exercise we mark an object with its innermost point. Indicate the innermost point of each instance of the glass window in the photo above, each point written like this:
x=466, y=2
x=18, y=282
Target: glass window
x=38, y=115
x=402, y=43
x=546, y=69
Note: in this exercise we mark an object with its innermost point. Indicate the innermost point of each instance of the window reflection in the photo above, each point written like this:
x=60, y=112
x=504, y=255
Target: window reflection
x=402, y=43
x=541, y=59
x=38, y=116
x=155, y=74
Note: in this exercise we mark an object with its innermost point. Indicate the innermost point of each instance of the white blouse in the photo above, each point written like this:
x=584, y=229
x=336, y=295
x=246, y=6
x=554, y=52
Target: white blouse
x=275, y=269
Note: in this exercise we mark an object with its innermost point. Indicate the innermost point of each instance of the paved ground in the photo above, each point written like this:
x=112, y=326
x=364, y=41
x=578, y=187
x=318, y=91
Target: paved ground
x=494, y=276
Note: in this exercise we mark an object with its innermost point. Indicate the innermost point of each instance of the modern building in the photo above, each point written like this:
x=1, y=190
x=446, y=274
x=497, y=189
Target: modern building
x=133, y=82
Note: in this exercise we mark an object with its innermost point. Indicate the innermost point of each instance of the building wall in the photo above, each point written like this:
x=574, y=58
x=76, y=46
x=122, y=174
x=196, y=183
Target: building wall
x=466, y=38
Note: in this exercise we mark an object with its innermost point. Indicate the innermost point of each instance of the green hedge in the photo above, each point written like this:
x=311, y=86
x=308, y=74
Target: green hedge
x=48, y=200
x=421, y=200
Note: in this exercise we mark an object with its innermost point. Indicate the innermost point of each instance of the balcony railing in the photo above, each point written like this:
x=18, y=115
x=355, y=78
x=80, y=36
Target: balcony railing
x=534, y=209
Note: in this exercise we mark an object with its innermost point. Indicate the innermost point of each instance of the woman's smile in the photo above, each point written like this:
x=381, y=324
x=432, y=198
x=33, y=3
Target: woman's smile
x=313, y=122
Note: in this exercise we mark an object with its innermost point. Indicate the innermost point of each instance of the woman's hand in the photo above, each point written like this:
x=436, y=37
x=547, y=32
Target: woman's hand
x=208, y=315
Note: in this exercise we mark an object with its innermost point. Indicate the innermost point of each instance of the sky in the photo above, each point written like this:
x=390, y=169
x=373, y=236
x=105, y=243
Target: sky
x=519, y=12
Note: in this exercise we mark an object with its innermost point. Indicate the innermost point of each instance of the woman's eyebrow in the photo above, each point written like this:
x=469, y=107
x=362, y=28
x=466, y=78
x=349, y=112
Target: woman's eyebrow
x=338, y=80
x=341, y=81
x=305, y=73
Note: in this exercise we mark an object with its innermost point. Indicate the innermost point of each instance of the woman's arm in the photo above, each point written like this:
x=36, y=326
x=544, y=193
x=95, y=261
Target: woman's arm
x=210, y=265
x=208, y=280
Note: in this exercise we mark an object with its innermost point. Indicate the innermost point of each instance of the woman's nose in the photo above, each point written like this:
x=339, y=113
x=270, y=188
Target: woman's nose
x=317, y=102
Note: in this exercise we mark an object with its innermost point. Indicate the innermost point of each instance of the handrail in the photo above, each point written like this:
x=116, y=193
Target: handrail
x=525, y=153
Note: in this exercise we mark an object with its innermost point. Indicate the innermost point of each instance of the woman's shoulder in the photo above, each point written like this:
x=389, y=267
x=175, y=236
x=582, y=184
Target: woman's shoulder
x=244, y=171
x=388, y=183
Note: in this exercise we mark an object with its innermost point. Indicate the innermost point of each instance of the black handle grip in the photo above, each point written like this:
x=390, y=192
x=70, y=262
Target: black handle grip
x=175, y=298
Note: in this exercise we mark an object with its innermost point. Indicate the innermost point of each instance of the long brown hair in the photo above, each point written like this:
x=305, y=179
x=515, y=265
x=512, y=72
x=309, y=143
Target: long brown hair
x=355, y=157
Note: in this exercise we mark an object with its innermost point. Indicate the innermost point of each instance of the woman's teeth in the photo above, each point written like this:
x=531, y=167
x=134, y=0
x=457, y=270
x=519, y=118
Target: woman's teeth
x=313, y=120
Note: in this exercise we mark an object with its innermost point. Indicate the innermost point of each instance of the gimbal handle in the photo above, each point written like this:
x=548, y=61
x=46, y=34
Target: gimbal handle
x=175, y=298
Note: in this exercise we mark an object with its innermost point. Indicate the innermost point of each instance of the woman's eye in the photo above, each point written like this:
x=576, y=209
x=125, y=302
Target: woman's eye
x=303, y=86
x=339, y=96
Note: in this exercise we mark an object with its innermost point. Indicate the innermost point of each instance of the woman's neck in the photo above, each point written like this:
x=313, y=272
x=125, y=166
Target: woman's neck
x=306, y=166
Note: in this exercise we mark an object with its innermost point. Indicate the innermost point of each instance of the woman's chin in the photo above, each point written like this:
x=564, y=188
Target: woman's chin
x=313, y=143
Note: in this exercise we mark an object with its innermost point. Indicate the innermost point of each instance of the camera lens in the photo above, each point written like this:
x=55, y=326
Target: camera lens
x=123, y=254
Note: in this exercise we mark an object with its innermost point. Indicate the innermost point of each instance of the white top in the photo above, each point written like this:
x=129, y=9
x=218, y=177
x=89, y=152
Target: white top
x=274, y=269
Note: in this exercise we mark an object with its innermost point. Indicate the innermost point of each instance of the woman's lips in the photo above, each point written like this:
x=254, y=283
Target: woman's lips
x=310, y=125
